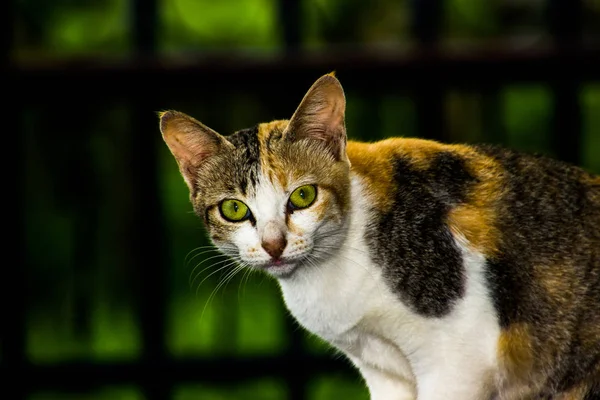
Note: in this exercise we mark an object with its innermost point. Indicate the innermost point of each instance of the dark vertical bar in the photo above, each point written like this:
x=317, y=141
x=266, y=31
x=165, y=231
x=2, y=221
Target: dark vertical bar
x=14, y=296
x=83, y=203
x=492, y=109
x=144, y=29
x=567, y=136
x=8, y=11
x=149, y=252
x=296, y=375
x=565, y=24
x=289, y=15
x=427, y=21
x=429, y=96
x=429, y=107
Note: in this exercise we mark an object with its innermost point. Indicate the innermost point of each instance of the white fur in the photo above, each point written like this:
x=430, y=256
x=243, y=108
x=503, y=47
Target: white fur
x=346, y=301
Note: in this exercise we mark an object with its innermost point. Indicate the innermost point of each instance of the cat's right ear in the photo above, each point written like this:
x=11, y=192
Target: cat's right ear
x=190, y=142
x=320, y=116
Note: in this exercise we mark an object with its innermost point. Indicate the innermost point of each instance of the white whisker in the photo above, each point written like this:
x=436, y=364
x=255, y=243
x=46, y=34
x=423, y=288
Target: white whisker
x=227, y=263
x=195, y=276
x=224, y=281
x=189, y=259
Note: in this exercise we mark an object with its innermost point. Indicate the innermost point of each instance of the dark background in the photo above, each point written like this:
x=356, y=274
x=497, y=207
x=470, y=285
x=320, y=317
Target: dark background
x=97, y=304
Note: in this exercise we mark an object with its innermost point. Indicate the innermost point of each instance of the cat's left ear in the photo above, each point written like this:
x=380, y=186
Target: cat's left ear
x=190, y=142
x=321, y=116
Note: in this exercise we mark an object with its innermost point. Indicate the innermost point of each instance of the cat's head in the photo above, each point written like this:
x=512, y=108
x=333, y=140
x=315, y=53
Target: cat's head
x=277, y=196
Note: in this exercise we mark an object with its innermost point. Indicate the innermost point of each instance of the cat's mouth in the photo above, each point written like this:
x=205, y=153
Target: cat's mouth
x=281, y=268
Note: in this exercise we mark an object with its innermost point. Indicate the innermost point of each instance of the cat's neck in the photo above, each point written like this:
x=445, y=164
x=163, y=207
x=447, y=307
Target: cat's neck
x=316, y=294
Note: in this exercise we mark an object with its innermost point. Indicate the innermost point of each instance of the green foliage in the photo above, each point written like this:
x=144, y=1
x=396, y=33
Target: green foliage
x=590, y=99
x=335, y=387
x=67, y=27
x=217, y=25
x=527, y=117
x=470, y=18
x=354, y=22
x=112, y=393
x=269, y=390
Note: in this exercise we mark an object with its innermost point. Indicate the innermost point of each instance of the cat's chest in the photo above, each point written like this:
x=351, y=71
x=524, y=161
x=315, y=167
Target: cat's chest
x=347, y=302
x=332, y=301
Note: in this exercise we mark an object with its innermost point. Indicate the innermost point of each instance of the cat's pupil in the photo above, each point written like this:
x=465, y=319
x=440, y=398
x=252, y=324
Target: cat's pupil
x=301, y=193
x=235, y=207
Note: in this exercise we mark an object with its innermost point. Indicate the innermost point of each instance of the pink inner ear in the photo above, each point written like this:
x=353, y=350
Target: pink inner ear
x=190, y=144
x=321, y=112
x=336, y=119
x=325, y=123
x=200, y=148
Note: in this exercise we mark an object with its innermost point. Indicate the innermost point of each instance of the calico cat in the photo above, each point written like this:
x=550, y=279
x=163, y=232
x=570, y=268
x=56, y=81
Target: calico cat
x=441, y=271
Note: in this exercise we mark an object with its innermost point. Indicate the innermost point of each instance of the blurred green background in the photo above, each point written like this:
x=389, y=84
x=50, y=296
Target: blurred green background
x=81, y=306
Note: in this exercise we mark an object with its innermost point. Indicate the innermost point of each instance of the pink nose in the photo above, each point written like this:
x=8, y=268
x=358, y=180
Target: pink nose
x=275, y=246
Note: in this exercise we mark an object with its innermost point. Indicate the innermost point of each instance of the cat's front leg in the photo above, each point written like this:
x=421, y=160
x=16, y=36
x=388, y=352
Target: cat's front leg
x=383, y=385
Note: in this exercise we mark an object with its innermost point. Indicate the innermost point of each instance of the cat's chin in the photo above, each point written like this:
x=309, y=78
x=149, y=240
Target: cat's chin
x=281, y=268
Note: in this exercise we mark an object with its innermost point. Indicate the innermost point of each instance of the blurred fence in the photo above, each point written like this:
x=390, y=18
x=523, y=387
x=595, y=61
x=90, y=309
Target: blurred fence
x=69, y=91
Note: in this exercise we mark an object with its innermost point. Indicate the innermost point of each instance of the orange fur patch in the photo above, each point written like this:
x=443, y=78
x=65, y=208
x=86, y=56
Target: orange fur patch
x=373, y=162
x=515, y=351
x=419, y=151
x=266, y=129
x=323, y=204
x=476, y=218
x=270, y=165
x=475, y=225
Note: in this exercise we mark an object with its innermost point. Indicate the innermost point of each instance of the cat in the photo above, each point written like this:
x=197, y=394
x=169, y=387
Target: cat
x=442, y=271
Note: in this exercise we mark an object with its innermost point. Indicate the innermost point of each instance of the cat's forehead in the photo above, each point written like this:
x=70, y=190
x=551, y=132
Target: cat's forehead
x=255, y=154
x=269, y=132
x=239, y=170
x=258, y=138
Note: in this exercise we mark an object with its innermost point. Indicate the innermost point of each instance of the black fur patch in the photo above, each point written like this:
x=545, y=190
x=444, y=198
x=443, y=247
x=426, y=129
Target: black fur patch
x=412, y=242
x=593, y=392
x=246, y=157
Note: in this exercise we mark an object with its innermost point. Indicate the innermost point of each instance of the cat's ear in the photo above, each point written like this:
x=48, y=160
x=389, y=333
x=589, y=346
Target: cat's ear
x=321, y=116
x=190, y=142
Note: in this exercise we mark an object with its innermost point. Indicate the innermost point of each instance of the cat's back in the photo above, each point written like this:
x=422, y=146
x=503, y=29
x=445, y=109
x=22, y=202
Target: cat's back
x=492, y=195
x=537, y=222
x=539, y=191
x=545, y=277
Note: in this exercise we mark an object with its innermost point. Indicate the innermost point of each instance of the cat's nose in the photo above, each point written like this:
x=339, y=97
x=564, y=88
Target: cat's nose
x=275, y=246
x=273, y=240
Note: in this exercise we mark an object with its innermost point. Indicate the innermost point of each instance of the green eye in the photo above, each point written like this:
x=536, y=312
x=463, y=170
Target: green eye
x=234, y=210
x=303, y=196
